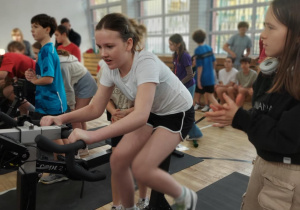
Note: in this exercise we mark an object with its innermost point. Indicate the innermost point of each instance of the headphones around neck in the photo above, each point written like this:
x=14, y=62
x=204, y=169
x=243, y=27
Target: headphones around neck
x=269, y=66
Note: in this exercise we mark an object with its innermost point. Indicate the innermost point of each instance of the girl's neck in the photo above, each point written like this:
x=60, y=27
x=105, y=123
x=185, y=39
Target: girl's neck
x=126, y=67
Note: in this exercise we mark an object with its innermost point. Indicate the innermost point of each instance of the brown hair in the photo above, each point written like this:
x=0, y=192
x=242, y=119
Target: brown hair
x=120, y=23
x=63, y=52
x=16, y=31
x=45, y=21
x=37, y=45
x=15, y=45
x=62, y=30
x=243, y=24
x=177, y=39
x=199, y=36
x=288, y=72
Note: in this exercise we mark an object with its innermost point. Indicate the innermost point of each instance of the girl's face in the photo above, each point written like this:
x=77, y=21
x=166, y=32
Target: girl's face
x=17, y=37
x=38, y=32
x=113, y=50
x=58, y=37
x=273, y=35
x=173, y=46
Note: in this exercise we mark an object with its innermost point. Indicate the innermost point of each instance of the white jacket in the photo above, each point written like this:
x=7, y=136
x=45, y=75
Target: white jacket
x=72, y=71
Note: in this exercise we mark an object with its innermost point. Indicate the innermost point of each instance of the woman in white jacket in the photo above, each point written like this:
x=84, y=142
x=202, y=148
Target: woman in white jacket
x=79, y=84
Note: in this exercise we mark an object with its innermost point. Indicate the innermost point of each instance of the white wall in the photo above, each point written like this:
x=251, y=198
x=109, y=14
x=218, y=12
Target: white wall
x=18, y=13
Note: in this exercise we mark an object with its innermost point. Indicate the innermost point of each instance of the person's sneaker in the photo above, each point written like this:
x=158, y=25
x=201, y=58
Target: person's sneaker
x=83, y=152
x=196, y=107
x=53, y=178
x=205, y=108
x=189, y=202
x=142, y=203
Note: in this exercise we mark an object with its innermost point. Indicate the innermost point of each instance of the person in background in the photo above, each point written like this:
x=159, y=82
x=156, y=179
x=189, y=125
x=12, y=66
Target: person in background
x=273, y=126
x=12, y=67
x=227, y=78
x=17, y=35
x=80, y=87
x=238, y=43
x=205, y=62
x=183, y=70
x=17, y=47
x=73, y=36
x=245, y=80
x=50, y=97
x=61, y=36
x=36, y=47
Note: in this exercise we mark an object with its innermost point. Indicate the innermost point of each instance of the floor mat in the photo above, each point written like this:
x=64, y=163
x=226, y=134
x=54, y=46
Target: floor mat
x=66, y=195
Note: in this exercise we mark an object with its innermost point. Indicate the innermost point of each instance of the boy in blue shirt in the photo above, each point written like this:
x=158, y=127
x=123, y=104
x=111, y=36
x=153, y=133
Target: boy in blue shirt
x=50, y=97
x=205, y=62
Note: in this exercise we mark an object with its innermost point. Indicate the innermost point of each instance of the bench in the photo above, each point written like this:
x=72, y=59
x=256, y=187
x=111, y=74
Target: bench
x=90, y=61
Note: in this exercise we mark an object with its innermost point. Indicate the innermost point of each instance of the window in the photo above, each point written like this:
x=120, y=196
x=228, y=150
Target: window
x=162, y=19
x=225, y=16
x=98, y=9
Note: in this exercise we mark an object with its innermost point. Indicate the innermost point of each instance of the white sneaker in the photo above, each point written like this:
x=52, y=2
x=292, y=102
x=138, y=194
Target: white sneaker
x=196, y=107
x=189, y=202
x=205, y=108
x=142, y=203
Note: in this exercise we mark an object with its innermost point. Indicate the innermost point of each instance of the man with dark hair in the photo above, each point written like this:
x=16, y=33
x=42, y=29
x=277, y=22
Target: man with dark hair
x=73, y=36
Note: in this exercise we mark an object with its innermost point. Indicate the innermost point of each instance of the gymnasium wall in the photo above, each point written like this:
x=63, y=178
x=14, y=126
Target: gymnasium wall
x=18, y=13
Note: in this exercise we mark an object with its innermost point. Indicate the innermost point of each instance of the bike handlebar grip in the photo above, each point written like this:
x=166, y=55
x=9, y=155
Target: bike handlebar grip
x=48, y=145
x=8, y=120
x=79, y=172
x=65, y=133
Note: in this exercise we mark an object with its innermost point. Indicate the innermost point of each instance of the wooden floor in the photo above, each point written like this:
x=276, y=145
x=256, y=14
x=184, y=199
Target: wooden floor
x=216, y=142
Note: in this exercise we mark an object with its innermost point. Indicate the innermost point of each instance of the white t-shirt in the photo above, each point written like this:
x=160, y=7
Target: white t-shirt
x=171, y=95
x=227, y=77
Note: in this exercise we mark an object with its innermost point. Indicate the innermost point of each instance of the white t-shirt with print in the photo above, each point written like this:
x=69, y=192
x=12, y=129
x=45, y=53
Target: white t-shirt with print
x=171, y=95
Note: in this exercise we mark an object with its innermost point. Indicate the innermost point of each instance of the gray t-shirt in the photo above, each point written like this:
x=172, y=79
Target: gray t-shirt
x=238, y=44
x=171, y=96
x=246, y=81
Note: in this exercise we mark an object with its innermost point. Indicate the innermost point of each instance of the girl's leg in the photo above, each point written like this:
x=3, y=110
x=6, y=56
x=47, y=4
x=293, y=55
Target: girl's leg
x=220, y=91
x=145, y=165
x=81, y=102
x=114, y=189
x=121, y=160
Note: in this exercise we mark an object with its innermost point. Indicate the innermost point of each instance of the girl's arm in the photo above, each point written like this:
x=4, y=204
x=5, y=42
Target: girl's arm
x=189, y=75
x=136, y=119
x=92, y=111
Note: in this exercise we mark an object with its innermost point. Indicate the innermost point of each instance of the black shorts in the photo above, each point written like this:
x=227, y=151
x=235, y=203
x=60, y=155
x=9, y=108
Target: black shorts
x=205, y=89
x=115, y=140
x=177, y=123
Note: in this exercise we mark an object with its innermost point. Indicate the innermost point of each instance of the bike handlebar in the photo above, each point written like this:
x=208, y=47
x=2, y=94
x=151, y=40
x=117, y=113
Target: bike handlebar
x=75, y=170
x=8, y=120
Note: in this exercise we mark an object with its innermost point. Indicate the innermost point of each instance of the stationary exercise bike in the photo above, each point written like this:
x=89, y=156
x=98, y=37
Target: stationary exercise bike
x=14, y=153
x=23, y=90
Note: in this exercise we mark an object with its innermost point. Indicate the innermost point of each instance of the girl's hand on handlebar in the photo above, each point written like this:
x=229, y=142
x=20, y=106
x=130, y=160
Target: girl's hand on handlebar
x=79, y=134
